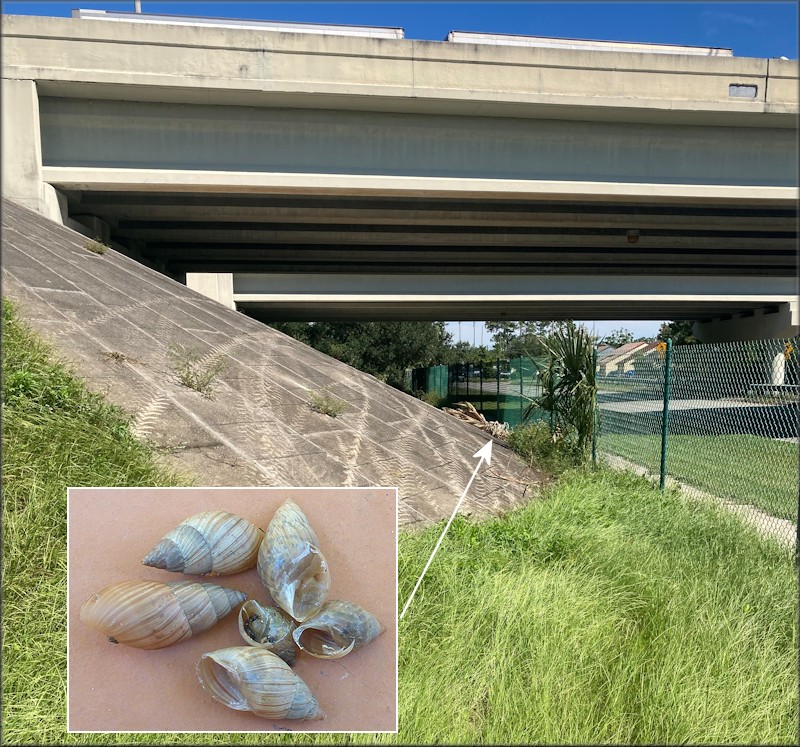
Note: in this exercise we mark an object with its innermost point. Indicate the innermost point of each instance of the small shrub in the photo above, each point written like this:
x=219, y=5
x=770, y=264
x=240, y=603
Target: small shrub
x=193, y=371
x=325, y=403
x=434, y=398
x=542, y=450
x=96, y=246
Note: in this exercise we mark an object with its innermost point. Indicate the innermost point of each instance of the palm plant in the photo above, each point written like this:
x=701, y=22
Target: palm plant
x=569, y=389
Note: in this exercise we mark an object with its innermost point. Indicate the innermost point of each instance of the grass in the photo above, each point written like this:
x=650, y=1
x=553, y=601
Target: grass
x=534, y=443
x=435, y=399
x=96, y=246
x=324, y=402
x=195, y=370
x=605, y=612
x=55, y=434
x=749, y=469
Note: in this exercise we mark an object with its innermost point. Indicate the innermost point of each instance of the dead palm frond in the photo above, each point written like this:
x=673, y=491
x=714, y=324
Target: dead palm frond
x=466, y=411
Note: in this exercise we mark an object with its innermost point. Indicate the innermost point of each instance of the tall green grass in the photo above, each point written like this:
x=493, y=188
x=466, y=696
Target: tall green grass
x=55, y=434
x=605, y=612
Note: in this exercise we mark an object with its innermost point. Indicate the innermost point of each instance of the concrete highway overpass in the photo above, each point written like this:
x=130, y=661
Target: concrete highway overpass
x=301, y=175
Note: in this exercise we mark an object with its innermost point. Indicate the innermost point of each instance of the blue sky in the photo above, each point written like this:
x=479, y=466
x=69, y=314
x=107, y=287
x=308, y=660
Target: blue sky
x=755, y=29
x=750, y=29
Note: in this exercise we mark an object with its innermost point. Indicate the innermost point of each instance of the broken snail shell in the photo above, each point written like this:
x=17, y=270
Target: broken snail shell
x=151, y=614
x=269, y=628
x=254, y=679
x=211, y=543
x=291, y=565
x=337, y=629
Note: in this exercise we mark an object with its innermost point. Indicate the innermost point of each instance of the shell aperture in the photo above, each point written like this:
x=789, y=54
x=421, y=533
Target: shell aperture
x=254, y=679
x=336, y=630
x=269, y=628
x=291, y=565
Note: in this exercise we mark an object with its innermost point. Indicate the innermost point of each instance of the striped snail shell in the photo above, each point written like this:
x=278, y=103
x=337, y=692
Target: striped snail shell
x=291, y=565
x=269, y=628
x=211, y=543
x=254, y=679
x=151, y=614
x=337, y=629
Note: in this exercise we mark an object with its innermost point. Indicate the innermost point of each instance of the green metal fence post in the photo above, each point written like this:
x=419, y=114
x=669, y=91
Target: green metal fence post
x=594, y=411
x=665, y=416
x=497, y=398
x=552, y=404
x=521, y=371
x=480, y=370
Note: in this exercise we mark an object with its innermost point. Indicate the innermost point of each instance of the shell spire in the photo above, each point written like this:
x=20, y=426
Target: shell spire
x=291, y=565
x=254, y=679
x=151, y=614
x=211, y=543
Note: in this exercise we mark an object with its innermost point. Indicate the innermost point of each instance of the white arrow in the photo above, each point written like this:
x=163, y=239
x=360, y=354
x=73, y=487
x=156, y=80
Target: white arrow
x=485, y=453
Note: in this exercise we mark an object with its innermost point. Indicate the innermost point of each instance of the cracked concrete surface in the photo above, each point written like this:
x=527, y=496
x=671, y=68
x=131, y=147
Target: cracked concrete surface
x=114, y=321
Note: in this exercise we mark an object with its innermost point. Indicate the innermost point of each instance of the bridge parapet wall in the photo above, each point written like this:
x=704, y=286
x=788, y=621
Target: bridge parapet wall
x=235, y=66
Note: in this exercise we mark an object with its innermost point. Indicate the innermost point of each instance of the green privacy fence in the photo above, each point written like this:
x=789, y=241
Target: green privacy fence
x=726, y=427
x=500, y=389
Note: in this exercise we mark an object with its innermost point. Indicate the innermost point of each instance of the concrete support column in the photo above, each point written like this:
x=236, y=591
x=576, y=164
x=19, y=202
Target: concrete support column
x=768, y=323
x=96, y=227
x=22, y=150
x=216, y=285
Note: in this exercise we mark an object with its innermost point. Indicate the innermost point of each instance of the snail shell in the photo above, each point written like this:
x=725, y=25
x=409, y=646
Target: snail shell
x=269, y=628
x=211, y=543
x=337, y=629
x=254, y=679
x=291, y=565
x=150, y=614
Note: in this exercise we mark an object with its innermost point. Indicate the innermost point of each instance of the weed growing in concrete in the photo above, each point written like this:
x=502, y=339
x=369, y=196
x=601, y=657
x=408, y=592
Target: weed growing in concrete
x=96, y=246
x=194, y=370
x=118, y=357
x=324, y=402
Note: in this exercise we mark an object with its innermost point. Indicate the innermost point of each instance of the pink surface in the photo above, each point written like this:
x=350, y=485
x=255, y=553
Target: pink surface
x=119, y=688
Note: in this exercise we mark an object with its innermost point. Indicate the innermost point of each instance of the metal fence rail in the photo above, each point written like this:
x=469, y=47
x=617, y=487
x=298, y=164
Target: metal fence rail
x=731, y=428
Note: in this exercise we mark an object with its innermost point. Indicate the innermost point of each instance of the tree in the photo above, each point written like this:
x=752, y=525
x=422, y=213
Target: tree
x=618, y=337
x=513, y=339
x=680, y=332
x=383, y=349
x=503, y=333
x=464, y=352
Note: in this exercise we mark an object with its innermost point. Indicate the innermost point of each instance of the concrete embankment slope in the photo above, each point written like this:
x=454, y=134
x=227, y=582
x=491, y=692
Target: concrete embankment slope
x=114, y=320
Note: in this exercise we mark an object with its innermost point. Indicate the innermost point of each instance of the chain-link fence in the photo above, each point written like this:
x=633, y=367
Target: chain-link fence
x=719, y=420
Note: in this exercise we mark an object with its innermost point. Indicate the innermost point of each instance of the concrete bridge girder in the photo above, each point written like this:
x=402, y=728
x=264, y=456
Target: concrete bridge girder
x=649, y=166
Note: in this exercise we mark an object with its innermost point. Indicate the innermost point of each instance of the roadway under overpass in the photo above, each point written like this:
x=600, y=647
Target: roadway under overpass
x=308, y=176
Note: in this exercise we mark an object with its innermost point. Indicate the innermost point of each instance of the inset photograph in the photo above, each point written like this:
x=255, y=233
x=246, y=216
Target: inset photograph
x=232, y=609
